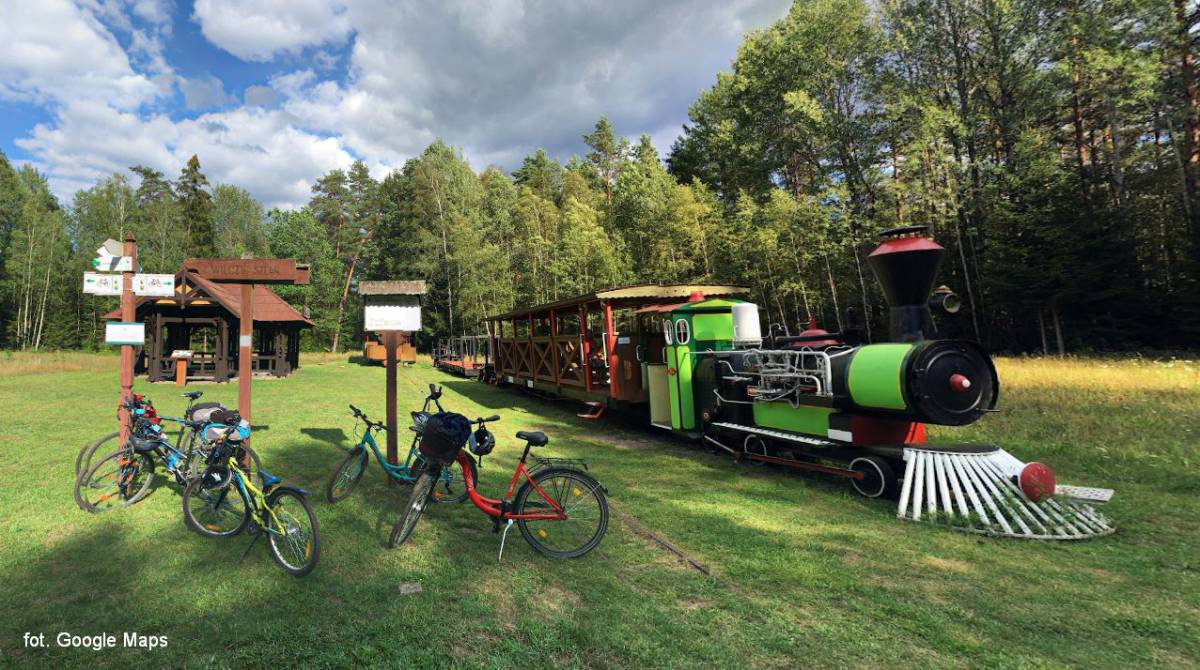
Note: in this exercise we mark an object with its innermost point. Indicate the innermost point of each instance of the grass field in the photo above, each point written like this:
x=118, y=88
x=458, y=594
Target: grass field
x=805, y=574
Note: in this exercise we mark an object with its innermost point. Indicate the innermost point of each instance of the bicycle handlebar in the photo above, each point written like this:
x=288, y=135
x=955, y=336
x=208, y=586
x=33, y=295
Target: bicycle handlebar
x=359, y=414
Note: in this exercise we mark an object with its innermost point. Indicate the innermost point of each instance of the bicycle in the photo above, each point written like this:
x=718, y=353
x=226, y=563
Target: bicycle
x=83, y=460
x=560, y=510
x=123, y=478
x=351, y=469
x=280, y=512
x=198, y=412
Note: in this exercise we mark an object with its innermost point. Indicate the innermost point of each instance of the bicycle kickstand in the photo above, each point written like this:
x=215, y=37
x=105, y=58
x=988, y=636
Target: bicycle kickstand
x=250, y=546
x=500, y=558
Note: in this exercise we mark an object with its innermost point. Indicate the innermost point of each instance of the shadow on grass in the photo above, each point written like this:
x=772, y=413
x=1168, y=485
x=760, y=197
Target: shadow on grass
x=335, y=436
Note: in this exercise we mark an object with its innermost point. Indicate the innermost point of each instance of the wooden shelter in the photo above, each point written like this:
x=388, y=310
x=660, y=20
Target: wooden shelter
x=571, y=347
x=204, y=317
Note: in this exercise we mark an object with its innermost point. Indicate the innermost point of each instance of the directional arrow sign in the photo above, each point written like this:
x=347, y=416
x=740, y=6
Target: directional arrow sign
x=113, y=263
x=101, y=284
x=154, y=285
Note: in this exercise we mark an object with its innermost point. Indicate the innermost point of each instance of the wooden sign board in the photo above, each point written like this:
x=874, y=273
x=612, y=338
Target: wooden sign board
x=154, y=285
x=386, y=313
x=95, y=283
x=249, y=271
x=125, y=332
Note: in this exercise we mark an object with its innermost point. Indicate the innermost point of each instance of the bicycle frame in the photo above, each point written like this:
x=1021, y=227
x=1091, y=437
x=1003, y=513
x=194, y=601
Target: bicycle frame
x=496, y=508
x=394, y=471
x=403, y=472
x=257, y=500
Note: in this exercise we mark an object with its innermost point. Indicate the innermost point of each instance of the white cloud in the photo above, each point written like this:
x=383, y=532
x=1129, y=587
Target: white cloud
x=52, y=51
x=256, y=149
x=257, y=30
x=203, y=92
x=503, y=78
x=260, y=96
x=498, y=79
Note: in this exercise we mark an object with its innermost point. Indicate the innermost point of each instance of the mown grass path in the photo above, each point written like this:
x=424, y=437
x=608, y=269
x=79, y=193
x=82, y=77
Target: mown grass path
x=805, y=573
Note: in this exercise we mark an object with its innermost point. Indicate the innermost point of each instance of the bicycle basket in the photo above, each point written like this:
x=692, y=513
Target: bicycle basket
x=444, y=436
x=483, y=443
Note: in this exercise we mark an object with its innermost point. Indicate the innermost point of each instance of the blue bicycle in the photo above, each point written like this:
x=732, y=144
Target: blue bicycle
x=451, y=486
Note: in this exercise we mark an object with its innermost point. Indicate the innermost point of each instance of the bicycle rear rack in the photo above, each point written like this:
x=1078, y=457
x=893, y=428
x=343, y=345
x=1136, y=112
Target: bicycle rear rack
x=544, y=462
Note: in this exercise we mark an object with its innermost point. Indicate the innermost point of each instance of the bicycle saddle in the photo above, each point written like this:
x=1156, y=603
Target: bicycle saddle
x=535, y=439
x=268, y=479
x=192, y=395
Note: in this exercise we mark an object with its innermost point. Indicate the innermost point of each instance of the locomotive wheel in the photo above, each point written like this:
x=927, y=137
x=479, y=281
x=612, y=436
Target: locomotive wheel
x=755, y=445
x=879, y=479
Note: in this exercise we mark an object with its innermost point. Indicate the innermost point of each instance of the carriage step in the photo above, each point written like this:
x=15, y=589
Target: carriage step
x=1086, y=493
x=595, y=411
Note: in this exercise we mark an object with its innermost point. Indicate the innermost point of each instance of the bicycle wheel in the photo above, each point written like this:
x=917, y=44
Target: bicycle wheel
x=83, y=462
x=295, y=545
x=451, y=487
x=115, y=481
x=346, y=477
x=580, y=496
x=412, y=511
x=216, y=512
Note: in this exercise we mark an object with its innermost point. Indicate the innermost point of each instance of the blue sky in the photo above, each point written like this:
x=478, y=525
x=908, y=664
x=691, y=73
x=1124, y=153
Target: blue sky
x=273, y=93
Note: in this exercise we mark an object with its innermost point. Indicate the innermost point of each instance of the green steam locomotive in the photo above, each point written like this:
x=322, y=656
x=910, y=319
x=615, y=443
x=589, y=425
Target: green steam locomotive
x=693, y=360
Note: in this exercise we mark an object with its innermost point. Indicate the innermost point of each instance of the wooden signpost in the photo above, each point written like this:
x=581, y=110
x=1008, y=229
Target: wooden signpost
x=128, y=333
x=247, y=273
x=392, y=308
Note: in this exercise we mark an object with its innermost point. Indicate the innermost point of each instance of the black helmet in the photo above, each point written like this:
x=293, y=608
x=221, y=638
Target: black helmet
x=483, y=442
x=216, y=476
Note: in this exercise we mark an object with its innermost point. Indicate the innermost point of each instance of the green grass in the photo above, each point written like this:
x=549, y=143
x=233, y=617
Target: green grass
x=806, y=574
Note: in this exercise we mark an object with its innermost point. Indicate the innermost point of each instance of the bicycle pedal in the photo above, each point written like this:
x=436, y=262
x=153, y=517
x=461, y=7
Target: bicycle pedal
x=503, y=536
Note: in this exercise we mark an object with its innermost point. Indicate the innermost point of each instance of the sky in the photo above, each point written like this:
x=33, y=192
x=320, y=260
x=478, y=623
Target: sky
x=271, y=94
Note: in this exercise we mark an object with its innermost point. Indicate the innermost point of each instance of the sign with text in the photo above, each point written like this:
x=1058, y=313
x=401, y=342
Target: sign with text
x=113, y=263
x=250, y=271
x=125, y=332
x=95, y=283
x=393, y=313
x=154, y=285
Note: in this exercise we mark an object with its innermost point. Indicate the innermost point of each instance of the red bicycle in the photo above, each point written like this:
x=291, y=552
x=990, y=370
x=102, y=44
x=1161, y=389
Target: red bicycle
x=560, y=509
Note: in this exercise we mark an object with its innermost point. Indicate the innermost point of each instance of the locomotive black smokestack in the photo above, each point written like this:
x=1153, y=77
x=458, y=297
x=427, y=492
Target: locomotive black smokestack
x=906, y=265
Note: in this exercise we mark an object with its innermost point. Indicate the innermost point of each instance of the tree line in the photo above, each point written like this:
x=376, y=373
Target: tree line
x=1052, y=146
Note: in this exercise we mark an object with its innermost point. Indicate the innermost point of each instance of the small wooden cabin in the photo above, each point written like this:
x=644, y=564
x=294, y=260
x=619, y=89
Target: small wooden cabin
x=203, y=317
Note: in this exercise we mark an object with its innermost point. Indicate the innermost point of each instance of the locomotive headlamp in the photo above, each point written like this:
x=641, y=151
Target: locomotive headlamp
x=945, y=300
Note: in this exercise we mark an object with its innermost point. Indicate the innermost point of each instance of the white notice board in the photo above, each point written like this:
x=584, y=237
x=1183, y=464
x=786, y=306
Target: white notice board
x=125, y=332
x=401, y=312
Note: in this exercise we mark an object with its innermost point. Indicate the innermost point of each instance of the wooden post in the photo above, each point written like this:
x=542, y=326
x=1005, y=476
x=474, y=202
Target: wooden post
x=128, y=314
x=181, y=364
x=245, y=350
x=585, y=347
x=610, y=341
x=554, y=347
x=391, y=340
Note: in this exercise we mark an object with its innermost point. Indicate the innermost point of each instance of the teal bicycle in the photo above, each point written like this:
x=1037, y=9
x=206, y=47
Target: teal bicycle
x=451, y=486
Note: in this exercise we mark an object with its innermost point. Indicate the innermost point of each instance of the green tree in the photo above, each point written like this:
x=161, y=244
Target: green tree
x=196, y=209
